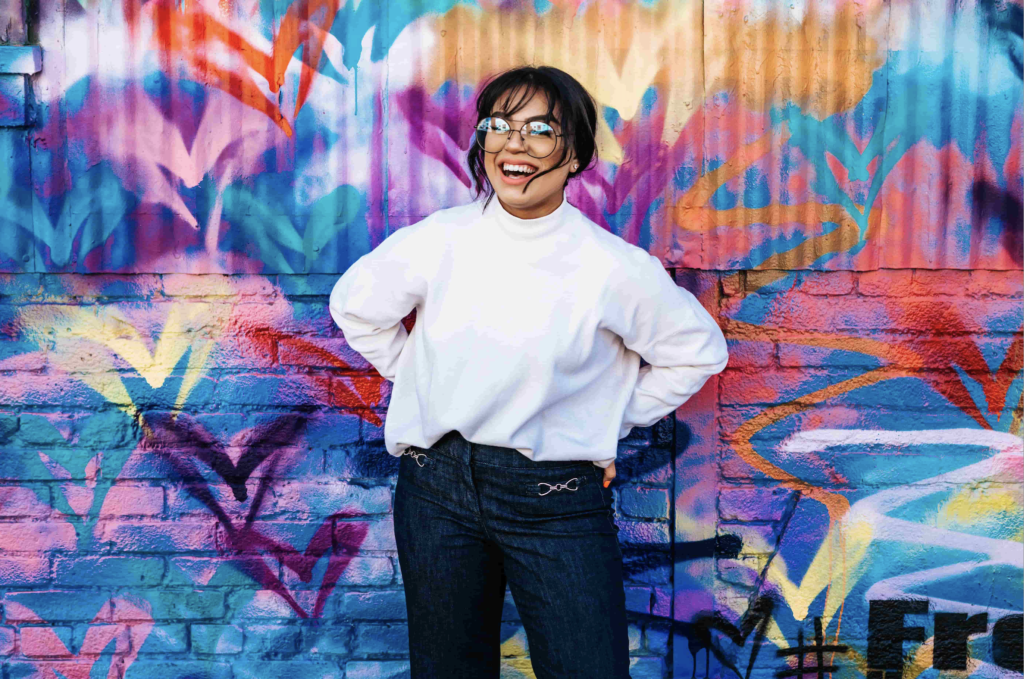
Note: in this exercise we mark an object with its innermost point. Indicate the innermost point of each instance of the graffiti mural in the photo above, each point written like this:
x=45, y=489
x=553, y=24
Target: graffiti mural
x=193, y=480
x=872, y=462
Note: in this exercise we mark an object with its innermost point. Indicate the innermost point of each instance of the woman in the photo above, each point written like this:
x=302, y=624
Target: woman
x=519, y=377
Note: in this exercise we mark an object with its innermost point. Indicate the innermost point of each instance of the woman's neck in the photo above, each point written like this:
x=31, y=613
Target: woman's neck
x=534, y=211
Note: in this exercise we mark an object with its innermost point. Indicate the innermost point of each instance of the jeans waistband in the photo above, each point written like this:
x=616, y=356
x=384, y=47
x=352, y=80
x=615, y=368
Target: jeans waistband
x=453, y=444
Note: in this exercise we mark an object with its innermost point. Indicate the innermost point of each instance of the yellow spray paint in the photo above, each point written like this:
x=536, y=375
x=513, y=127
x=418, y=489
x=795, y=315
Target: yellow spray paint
x=91, y=342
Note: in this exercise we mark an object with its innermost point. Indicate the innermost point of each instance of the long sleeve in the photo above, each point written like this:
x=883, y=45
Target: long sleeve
x=668, y=328
x=529, y=332
x=373, y=296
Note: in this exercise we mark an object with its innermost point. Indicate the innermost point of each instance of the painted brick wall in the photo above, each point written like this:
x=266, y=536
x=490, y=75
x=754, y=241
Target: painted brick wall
x=134, y=538
x=865, y=424
x=118, y=542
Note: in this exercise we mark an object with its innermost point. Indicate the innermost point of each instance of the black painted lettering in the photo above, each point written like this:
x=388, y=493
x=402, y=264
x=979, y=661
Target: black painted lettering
x=1008, y=643
x=886, y=634
x=951, y=632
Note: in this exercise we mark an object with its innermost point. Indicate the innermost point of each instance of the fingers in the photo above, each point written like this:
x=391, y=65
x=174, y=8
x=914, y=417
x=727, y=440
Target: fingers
x=609, y=474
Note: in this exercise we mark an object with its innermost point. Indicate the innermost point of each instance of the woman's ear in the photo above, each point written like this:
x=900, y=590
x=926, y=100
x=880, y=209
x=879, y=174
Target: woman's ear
x=574, y=167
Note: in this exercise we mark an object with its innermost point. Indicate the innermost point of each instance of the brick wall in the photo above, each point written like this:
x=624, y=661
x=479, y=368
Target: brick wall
x=136, y=537
x=866, y=423
x=125, y=532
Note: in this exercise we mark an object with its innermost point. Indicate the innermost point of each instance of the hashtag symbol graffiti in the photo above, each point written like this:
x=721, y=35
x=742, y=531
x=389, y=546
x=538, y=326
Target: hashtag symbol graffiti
x=819, y=649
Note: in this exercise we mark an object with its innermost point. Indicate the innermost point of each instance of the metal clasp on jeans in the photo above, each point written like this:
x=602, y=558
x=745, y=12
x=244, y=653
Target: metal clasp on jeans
x=411, y=452
x=560, y=486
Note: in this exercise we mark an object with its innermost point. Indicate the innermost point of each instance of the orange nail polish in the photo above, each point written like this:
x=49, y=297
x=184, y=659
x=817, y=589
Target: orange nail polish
x=606, y=482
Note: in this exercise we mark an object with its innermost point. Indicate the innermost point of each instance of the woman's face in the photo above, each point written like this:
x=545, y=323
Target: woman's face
x=544, y=193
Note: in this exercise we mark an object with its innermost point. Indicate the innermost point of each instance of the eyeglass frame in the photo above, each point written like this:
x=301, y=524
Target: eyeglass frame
x=511, y=129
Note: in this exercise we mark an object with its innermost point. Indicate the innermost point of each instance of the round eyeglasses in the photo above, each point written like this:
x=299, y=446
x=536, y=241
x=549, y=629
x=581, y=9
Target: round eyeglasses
x=538, y=137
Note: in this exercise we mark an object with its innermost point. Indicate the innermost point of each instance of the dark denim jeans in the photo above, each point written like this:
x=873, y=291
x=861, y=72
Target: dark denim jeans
x=470, y=516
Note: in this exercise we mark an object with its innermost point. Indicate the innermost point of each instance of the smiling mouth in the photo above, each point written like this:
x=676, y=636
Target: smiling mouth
x=516, y=170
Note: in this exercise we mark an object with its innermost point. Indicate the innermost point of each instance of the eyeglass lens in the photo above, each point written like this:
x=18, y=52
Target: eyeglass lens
x=539, y=138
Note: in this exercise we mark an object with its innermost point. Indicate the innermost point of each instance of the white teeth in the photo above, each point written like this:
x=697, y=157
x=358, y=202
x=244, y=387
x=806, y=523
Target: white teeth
x=509, y=167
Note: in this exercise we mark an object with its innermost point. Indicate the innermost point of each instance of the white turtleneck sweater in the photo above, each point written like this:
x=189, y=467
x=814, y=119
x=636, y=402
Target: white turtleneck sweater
x=528, y=332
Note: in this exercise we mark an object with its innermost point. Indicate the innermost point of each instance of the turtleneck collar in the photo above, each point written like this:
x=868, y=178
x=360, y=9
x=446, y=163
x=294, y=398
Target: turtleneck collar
x=528, y=228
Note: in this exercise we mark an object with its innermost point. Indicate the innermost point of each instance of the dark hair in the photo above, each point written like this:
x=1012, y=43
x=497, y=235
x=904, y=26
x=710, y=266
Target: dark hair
x=577, y=115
